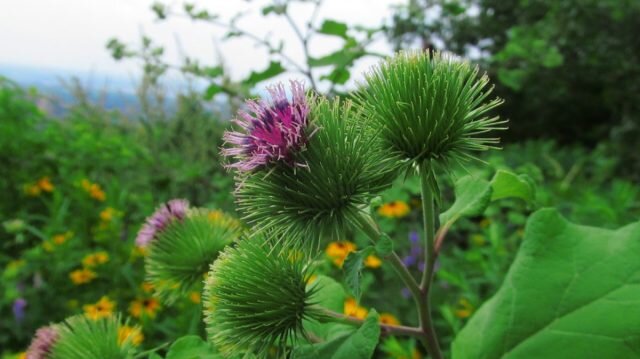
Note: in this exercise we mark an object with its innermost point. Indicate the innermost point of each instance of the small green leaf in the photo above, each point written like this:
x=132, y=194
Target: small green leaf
x=472, y=198
x=357, y=345
x=352, y=269
x=338, y=76
x=212, y=90
x=571, y=292
x=274, y=69
x=191, y=347
x=213, y=71
x=331, y=27
x=338, y=58
x=384, y=247
x=276, y=9
x=507, y=184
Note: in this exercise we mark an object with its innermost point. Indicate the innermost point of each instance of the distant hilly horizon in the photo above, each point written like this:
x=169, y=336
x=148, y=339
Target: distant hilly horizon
x=112, y=91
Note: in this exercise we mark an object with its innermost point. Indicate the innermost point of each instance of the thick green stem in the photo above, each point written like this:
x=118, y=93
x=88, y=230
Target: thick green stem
x=429, y=213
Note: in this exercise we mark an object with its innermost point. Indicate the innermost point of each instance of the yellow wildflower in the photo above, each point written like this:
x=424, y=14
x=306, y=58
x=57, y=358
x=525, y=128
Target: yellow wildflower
x=107, y=214
x=465, y=309
x=82, y=276
x=195, y=297
x=132, y=334
x=59, y=239
x=94, y=190
x=352, y=309
x=102, y=309
x=95, y=259
x=147, y=307
x=395, y=209
x=146, y=287
x=45, y=184
x=22, y=355
x=389, y=319
x=372, y=261
x=338, y=251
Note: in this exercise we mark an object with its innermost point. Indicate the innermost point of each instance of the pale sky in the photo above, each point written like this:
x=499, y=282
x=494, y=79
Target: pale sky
x=71, y=34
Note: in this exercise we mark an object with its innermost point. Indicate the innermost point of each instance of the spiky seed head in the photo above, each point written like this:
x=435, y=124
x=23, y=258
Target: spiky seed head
x=256, y=297
x=180, y=256
x=430, y=107
x=174, y=210
x=81, y=338
x=43, y=342
x=342, y=167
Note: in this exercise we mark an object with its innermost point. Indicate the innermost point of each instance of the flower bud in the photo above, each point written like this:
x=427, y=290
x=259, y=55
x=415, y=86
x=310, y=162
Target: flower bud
x=256, y=297
x=430, y=107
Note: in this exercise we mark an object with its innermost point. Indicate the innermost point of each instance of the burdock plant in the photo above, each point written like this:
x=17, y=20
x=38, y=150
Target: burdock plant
x=308, y=168
x=306, y=165
x=256, y=297
x=181, y=242
x=79, y=337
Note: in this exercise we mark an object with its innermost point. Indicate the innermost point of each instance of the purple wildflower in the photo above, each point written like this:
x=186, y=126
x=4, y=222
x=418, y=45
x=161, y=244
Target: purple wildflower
x=42, y=343
x=19, y=305
x=415, y=253
x=272, y=131
x=176, y=209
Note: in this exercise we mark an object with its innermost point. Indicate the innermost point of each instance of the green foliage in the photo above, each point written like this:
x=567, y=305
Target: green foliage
x=357, y=345
x=353, y=270
x=570, y=293
x=81, y=338
x=343, y=169
x=256, y=297
x=472, y=198
x=507, y=184
x=192, y=347
x=181, y=255
x=430, y=107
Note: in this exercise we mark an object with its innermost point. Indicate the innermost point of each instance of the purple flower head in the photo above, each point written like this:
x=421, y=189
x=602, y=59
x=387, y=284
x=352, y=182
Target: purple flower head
x=271, y=130
x=19, y=305
x=42, y=343
x=176, y=209
x=414, y=237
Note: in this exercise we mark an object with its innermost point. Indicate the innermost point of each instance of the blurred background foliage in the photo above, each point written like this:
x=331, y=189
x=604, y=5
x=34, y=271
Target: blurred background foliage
x=81, y=183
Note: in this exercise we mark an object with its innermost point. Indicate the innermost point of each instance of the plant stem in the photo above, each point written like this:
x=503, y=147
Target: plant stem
x=427, y=334
x=368, y=227
x=429, y=213
x=387, y=329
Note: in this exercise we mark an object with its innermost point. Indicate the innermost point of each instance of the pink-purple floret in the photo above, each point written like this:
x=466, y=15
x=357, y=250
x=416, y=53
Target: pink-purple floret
x=272, y=130
x=176, y=209
x=42, y=343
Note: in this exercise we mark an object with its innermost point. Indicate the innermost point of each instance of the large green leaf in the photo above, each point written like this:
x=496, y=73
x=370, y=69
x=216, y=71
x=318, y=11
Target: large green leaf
x=473, y=195
x=359, y=344
x=330, y=294
x=573, y=291
x=191, y=347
